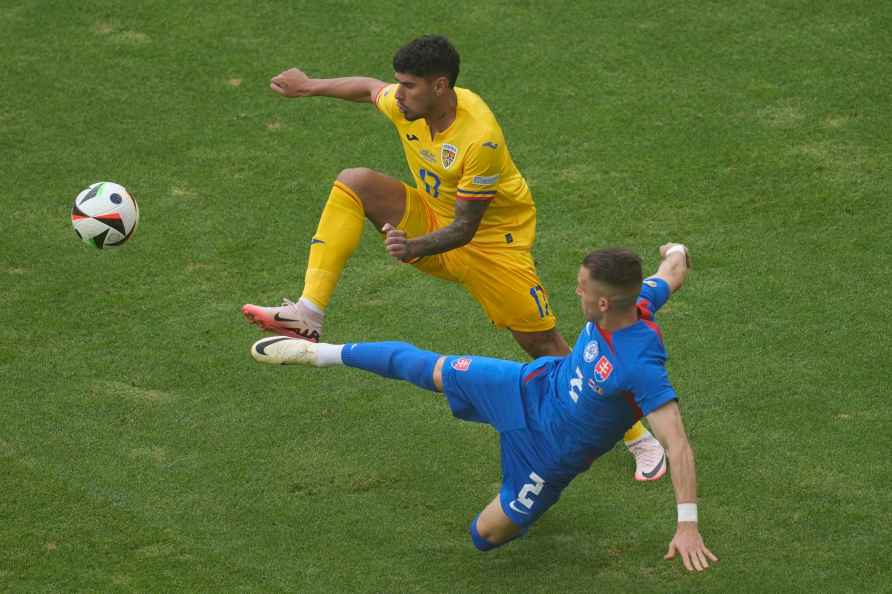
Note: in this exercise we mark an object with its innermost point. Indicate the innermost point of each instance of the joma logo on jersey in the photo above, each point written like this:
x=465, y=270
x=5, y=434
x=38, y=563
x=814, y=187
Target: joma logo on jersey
x=428, y=156
x=461, y=364
x=448, y=153
x=603, y=369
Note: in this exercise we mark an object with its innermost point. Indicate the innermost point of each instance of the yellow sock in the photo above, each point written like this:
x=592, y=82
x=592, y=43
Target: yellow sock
x=636, y=432
x=338, y=234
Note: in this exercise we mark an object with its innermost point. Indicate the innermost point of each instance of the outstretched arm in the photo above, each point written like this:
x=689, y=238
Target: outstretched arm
x=675, y=265
x=666, y=424
x=295, y=83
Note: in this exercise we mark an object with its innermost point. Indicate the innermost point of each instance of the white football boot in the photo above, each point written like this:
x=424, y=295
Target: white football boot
x=282, y=350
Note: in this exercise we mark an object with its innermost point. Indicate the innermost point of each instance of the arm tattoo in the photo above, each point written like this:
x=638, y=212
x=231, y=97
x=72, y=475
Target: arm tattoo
x=468, y=214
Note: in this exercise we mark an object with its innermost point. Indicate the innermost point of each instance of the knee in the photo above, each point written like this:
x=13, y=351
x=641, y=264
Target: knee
x=355, y=178
x=438, y=373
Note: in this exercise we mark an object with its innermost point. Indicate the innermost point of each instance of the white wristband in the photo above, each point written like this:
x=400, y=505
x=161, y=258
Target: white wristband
x=687, y=512
x=677, y=249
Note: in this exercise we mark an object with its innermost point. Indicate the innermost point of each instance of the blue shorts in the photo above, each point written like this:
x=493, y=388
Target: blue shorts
x=489, y=391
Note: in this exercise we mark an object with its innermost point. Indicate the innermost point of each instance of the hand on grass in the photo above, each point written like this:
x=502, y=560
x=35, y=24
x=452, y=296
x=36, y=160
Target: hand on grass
x=688, y=542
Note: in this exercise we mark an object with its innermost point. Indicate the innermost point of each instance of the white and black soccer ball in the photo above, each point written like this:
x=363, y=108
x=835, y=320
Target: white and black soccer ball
x=104, y=215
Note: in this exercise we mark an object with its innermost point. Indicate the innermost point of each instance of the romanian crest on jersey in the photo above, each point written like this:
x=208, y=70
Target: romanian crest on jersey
x=448, y=153
x=591, y=351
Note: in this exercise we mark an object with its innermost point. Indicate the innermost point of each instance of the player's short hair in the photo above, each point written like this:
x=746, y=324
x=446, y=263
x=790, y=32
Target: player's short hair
x=619, y=268
x=430, y=55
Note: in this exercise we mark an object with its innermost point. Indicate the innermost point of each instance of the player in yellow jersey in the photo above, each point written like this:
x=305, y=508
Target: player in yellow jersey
x=469, y=219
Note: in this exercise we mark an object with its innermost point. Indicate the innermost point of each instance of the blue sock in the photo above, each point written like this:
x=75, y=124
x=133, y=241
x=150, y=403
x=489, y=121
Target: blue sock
x=479, y=542
x=396, y=360
x=483, y=544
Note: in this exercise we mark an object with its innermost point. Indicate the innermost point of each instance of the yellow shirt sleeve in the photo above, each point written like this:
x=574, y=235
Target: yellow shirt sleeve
x=386, y=102
x=483, y=167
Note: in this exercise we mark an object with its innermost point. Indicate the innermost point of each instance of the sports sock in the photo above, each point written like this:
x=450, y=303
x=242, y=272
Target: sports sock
x=484, y=545
x=336, y=238
x=311, y=306
x=636, y=432
x=396, y=360
x=328, y=354
x=481, y=543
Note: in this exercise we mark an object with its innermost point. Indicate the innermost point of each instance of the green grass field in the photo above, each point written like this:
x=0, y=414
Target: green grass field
x=142, y=450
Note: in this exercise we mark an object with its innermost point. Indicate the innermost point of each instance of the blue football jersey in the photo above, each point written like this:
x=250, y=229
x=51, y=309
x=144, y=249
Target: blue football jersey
x=583, y=403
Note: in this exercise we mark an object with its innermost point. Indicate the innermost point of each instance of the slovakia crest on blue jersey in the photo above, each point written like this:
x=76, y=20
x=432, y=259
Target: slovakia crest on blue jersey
x=448, y=154
x=603, y=369
x=461, y=364
x=591, y=351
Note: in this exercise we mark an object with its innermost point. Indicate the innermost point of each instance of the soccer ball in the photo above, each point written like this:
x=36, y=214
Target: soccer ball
x=104, y=215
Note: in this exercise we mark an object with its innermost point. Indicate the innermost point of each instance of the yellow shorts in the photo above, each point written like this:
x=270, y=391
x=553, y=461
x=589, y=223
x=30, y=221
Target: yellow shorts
x=503, y=281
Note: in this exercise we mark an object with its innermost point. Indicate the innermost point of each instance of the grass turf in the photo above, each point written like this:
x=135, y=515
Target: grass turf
x=142, y=450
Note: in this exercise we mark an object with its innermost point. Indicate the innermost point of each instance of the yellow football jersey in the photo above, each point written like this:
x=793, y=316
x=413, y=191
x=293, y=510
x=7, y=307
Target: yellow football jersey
x=467, y=161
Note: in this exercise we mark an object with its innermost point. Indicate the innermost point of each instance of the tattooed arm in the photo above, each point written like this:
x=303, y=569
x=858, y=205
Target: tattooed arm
x=468, y=214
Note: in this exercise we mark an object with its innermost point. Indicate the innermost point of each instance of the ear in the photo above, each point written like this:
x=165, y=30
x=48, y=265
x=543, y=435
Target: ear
x=603, y=304
x=440, y=85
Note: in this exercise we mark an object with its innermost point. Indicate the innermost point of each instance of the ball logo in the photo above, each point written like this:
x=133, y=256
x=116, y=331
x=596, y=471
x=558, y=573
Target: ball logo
x=461, y=364
x=591, y=351
x=603, y=369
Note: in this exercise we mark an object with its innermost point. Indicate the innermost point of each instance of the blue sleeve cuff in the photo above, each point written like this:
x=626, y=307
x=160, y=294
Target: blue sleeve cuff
x=652, y=403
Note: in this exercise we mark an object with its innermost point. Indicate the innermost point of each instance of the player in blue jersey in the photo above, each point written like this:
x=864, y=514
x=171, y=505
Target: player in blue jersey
x=555, y=415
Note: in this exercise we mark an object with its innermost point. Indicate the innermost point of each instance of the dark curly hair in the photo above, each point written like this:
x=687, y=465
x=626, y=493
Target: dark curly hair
x=430, y=55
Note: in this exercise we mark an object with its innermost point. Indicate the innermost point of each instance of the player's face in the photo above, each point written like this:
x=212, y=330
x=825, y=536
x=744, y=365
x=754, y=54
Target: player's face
x=415, y=96
x=598, y=298
x=592, y=297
